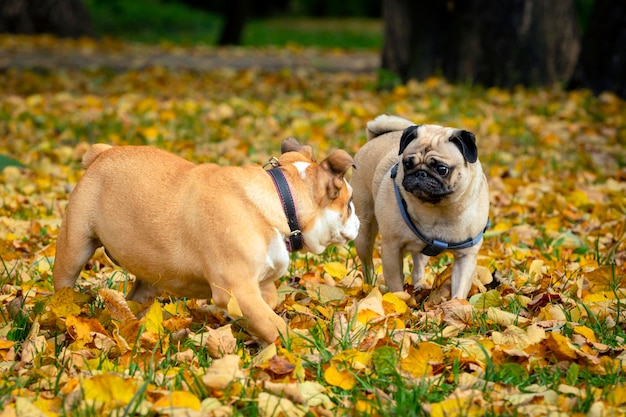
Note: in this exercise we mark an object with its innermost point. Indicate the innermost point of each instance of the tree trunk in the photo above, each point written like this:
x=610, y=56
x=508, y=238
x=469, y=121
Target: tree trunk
x=490, y=42
x=602, y=62
x=412, y=37
x=235, y=13
x=66, y=18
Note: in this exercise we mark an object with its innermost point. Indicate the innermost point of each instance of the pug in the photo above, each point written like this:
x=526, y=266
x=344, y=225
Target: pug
x=206, y=231
x=424, y=189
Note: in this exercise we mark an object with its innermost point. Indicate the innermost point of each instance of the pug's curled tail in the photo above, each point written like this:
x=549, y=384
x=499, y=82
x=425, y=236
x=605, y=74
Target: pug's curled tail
x=93, y=153
x=386, y=123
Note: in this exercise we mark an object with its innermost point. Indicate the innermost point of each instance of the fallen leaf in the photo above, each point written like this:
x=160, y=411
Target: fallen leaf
x=178, y=399
x=62, y=303
x=222, y=372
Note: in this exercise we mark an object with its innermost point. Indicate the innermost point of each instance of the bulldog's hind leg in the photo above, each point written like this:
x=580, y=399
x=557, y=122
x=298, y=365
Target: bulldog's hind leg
x=142, y=292
x=74, y=247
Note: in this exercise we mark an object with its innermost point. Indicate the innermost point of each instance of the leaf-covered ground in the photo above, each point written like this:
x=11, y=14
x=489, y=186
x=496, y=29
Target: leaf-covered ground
x=543, y=332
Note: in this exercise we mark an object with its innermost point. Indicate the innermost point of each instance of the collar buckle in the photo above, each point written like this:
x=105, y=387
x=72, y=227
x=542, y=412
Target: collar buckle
x=273, y=162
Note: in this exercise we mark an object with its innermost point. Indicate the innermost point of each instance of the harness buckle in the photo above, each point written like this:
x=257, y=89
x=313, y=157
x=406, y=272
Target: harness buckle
x=295, y=233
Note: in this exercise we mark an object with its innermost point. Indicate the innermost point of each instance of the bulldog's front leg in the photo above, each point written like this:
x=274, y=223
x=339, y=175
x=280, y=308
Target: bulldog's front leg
x=269, y=293
x=259, y=318
x=463, y=273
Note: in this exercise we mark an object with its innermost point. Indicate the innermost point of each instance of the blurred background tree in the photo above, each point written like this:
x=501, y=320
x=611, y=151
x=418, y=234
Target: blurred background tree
x=577, y=43
x=66, y=18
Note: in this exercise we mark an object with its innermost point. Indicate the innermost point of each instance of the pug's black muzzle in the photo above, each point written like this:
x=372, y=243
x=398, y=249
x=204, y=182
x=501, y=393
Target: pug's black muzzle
x=426, y=187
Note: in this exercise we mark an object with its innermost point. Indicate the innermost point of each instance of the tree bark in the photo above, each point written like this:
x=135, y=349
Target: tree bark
x=235, y=13
x=489, y=42
x=602, y=62
x=65, y=18
x=412, y=37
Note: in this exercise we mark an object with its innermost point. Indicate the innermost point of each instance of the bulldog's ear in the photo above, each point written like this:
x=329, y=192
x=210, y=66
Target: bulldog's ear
x=466, y=142
x=337, y=164
x=409, y=134
x=292, y=145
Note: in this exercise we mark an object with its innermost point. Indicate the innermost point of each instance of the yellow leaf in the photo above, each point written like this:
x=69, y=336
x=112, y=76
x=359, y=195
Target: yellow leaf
x=110, y=389
x=365, y=315
x=354, y=357
x=154, y=318
x=336, y=269
x=62, y=303
x=560, y=346
x=586, y=332
x=393, y=304
x=233, y=308
x=178, y=399
x=150, y=132
x=26, y=407
x=177, y=309
x=599, y=297
x=262, y=358
x=420, y=359
x=455, y=407
x=6, y=344
x=342, y=378
x=617, y=396
x=600, y=279
x=81, y=327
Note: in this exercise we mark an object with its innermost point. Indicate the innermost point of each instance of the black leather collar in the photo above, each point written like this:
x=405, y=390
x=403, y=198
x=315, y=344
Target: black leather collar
x=294, y=240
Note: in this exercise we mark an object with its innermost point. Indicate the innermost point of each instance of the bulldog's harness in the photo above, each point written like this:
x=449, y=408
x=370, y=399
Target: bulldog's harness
x=294, y=239
x=433, y=247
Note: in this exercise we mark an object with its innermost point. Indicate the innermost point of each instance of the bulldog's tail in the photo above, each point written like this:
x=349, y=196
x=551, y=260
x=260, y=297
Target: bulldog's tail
x=93, y=153
x=385, y=123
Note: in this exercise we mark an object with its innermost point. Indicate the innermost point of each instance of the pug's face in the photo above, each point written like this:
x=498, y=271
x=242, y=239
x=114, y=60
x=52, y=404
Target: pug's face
x=437, y=162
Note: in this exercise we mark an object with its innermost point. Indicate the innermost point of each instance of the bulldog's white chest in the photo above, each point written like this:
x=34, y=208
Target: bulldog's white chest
x=276, y=260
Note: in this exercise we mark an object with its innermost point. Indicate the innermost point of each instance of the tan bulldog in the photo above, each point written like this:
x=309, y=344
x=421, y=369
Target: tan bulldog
x=205, y=231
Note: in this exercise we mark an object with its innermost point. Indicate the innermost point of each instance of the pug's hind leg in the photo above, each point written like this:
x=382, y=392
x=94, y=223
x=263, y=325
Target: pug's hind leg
x=392, y=265
x=364, y=244
x=419, y=271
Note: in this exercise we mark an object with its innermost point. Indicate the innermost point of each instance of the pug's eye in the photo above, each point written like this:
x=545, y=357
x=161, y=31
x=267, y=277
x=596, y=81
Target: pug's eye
x=408, y=164
x=442, y=170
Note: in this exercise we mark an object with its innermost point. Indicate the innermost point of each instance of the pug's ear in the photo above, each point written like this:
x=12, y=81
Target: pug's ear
x=466, y=142
x=408, y=136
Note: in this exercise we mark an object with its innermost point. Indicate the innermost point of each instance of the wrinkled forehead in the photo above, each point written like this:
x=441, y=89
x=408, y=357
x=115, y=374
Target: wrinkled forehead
x=433, y=135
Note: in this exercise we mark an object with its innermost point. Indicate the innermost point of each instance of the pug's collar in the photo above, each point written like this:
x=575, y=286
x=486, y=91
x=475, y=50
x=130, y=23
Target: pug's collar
x=433, y=247
x=294, y=239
